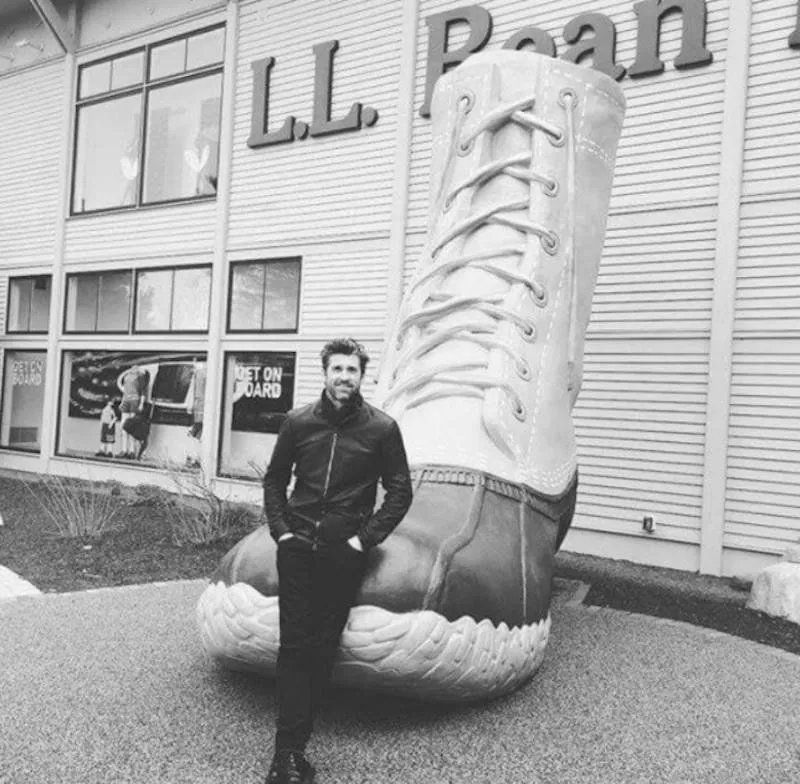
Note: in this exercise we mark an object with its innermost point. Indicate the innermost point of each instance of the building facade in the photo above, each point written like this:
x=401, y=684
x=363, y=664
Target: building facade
x=198, y=193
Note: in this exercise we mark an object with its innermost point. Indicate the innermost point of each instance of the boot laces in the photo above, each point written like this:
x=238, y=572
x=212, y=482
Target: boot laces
x=471, y=379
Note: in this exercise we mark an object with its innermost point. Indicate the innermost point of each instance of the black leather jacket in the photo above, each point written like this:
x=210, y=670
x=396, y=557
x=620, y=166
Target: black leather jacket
x=338, y=457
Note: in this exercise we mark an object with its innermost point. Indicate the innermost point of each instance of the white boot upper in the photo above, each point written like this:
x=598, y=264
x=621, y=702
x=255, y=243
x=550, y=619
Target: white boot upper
x=485, y=361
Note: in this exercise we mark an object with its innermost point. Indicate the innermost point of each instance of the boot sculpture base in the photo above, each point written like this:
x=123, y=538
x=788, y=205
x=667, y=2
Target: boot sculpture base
x=481, y=373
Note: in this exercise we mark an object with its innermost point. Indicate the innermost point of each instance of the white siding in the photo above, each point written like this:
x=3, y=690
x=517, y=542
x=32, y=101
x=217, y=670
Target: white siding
x=31, y=131
x=763, y=496
x=640, y=423
x=152, y=233
x=332, y=187
x=772, y=145
x=344, y=291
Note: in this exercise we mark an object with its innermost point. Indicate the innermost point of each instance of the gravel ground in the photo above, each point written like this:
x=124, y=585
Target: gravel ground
x=111, y=686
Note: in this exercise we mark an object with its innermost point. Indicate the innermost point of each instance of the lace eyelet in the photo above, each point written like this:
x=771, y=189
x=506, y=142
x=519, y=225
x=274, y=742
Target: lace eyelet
x=567, y=93
x=524, y=371
x=465, y=149
x=540, y=300
x=466, y=101
x=448, y=204
x=558, y=140
x=528, y=332
x=519, y=410
x=550, y=243
x=550, y=188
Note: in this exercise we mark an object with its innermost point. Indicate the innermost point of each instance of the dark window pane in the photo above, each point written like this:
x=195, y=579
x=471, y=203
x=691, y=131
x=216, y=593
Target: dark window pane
x=190, y=299
x=153, y=300
x=82, y=303
x=206, y=49
x=281, y=289
x=247, y=297
x=183, y=140
x=95, y=79
x=23, y=400
x=127, y=71
x=107, y=154
x=19, y=305
x=168, y=59
x=40, y=304
x=115, y=302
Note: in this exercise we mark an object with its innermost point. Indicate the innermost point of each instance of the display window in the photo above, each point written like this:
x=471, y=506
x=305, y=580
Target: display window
x=258, y=393
x=147, y=125
x=28, y=304
x=131, y=406
x=264, y=296
x=23, y=400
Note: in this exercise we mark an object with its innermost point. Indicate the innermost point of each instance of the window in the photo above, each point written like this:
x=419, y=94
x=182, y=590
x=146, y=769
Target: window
x=168, y=299
x=98, y=302
x=162, y=102
x=28, y=304
x=23, y=400
x=173, y=300
x=102, y=390
x=265, y=296
x=259, y=391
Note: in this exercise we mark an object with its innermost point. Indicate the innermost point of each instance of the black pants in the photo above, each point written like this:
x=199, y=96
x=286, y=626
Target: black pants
x=316, y=589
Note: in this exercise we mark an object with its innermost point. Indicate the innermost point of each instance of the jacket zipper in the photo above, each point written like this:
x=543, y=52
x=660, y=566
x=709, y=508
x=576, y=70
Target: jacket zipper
x=330, y=465
x=327, y=480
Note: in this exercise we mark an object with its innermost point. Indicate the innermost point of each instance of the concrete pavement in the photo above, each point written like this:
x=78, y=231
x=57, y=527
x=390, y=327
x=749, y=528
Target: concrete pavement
x=111, y=685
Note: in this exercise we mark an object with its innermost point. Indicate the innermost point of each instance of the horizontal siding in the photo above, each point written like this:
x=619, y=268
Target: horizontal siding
x=344, y=291
x=640, y=425
x=331, y=187
x=31, y=148
x=763, y=495
x=156, y=233
x=656, y=276
x=768, y=273
x=670, y=145
x=772, y=147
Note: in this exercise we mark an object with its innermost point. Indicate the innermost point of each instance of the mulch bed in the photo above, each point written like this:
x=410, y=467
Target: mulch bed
x=137, y=549
x=711, y=602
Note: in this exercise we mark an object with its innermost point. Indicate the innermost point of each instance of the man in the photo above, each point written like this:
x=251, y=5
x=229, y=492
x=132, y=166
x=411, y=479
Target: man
x=339, y=448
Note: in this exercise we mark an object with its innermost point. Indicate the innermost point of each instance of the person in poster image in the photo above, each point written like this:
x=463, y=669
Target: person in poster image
x=108, y=427
x=133, y=383
x=339, y=447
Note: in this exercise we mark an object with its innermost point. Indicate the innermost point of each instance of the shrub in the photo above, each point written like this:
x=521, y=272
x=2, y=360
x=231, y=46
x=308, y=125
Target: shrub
x=198, y=516
x=77, y=508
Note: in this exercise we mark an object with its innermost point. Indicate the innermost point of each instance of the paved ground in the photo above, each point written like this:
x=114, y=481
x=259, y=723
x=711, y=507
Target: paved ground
x=110, y=686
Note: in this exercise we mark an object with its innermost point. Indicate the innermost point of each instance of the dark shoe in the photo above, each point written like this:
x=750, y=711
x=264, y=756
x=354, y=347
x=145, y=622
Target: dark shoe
x=290, y=767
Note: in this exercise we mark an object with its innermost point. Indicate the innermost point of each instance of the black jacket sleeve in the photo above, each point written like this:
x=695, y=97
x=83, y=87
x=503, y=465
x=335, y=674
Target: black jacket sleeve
x=276, y=480
x=396, y=481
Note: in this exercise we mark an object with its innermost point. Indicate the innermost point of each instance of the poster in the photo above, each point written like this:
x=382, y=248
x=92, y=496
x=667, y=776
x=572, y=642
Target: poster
x=167, y=381
x=262, y=387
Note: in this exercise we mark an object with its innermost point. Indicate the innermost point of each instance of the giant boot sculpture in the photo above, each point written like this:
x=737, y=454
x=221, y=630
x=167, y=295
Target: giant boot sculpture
x=481, y=373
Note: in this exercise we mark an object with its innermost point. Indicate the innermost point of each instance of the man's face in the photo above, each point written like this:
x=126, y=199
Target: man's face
x=342, y=377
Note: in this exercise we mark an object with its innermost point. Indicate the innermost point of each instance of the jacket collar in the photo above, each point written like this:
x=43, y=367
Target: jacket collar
x=337, y=416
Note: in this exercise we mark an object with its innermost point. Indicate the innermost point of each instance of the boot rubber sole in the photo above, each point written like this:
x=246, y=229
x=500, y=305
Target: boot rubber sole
x=416, y=654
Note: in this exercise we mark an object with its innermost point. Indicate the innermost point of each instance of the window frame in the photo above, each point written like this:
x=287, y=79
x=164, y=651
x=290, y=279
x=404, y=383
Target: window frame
x=173, y=268
x=265, y=262
x=28, y=331
x=143, y=89
x=98, y=275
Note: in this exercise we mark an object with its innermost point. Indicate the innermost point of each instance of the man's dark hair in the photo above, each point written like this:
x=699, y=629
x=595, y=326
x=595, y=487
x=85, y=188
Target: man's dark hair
x=347, y=346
